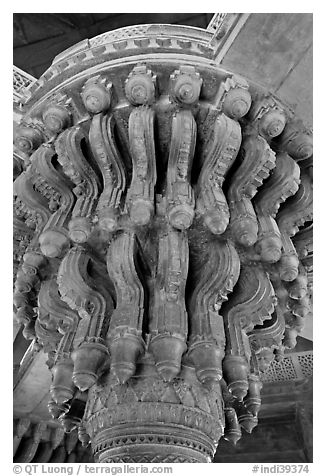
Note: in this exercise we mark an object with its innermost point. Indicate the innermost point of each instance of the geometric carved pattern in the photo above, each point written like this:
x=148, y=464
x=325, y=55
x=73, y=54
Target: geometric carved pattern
x=306, y=364
x=292, y=367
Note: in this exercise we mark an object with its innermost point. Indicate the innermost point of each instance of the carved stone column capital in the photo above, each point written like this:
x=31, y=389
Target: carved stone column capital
x=163, y=243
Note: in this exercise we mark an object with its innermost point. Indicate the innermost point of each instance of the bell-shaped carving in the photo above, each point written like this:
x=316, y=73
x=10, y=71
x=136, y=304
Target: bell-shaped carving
x=28, y=138
x=56, y=118
x=140, y=86
x=207, y=358
x=246, y=420
x=252, y=400
x=167, y=351
x=232, y=432
x=62, y=388
x=87, y=359
x=235, y=370
x=186, y=85
x=96, y=95
x=125, y=351
x=83, y=436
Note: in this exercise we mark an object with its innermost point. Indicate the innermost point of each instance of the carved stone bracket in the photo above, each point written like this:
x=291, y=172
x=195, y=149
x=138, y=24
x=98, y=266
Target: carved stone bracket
x=179, y=193
x=251, y=304
x=54, y=237
x=221, y=151
x=257, y=160
x=126, y=325
x=85, y=287
x=283, y=182
x=207, y=339
x=168, y=324
x=140, y=196
x=70, y=146
x=103, y=145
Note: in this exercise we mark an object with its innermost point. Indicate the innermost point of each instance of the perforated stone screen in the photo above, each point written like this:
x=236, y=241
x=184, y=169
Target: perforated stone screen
x=293, y=367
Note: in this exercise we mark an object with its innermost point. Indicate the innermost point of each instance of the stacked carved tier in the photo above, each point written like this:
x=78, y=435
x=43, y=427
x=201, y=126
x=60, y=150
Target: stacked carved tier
x=166, y=258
